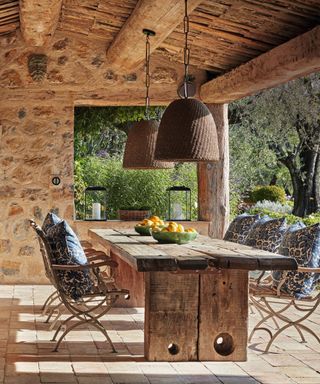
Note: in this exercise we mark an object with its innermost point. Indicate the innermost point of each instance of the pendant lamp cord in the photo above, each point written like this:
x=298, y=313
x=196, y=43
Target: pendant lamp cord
x=186, y=52
x=147, y=75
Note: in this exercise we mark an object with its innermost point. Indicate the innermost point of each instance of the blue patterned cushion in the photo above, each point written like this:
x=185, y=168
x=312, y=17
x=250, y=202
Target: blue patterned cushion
x=266, y=234
x=66, y=249
x=50, y=220
x=240, y=227
x=304, y=245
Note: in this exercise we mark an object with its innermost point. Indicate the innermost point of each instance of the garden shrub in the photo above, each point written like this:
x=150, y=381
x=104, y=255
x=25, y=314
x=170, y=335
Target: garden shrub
x=273, y=206
x=269, y=192
x=291, y=219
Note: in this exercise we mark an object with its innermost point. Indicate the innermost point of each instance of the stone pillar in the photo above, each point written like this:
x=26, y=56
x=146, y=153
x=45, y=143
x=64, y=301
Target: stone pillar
x=36, y=142
x=213, y=179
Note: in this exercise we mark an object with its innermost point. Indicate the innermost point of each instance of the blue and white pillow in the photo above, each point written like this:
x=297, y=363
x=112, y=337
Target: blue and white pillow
x=266, y=234
x=67, y=250
x=304, y=245
x=240, y=227
x=50, y=220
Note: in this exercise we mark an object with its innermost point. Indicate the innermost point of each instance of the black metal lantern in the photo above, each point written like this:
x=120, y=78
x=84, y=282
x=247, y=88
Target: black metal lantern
x=95, y=203
x=179, y=203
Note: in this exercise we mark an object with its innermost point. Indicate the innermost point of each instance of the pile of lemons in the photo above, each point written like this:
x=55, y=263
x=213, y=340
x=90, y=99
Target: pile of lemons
x=158, y=225
x=152, y=221
x=175, y=227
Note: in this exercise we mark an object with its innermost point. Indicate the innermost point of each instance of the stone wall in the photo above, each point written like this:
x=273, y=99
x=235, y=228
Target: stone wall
x=37, y=100
x=36, y=142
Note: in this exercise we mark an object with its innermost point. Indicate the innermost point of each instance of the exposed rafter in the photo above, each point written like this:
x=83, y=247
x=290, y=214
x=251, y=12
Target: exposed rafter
x=38, y=20
x=128, y=48
x=298, y=57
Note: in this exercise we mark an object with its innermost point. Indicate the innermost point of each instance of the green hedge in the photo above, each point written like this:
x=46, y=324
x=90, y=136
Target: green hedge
x=268, y=192
x=132, y=188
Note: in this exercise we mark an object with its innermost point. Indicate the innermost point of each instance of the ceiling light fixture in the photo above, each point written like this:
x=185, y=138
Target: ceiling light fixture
x=142, y=136
x=187, y=131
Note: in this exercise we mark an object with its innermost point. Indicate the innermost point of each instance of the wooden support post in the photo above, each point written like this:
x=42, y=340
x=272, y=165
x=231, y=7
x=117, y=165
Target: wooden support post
x=213, y=179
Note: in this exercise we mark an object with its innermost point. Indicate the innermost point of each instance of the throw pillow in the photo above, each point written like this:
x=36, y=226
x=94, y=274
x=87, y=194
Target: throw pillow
x=50, y=220
x=304, y=245
x=266, y=234
x=66, y=249
x=240, y=227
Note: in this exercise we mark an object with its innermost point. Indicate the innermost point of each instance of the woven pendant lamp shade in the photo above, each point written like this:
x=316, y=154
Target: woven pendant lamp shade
x=187, y=132
x=140, y=147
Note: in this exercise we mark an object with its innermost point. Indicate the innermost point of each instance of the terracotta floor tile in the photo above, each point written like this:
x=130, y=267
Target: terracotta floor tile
x=85, y=356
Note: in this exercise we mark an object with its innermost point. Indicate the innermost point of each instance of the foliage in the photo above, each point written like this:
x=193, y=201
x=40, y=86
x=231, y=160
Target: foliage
x=275, y=130
x=290, y=218
x=251, y=162
x=273, y=206
x=101, y=131
x=131, y=188
x=268, y=192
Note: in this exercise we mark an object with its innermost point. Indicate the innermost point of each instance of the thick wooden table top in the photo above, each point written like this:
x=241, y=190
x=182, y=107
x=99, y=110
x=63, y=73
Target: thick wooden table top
x=145, y=254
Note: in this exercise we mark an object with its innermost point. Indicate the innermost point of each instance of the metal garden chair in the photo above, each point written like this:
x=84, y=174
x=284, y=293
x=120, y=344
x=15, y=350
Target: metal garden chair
x=273, y=304
x=90, y=308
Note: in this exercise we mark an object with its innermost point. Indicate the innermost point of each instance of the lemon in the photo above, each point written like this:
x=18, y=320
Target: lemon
x=154, y=218
x=180, y=228
x=172, y=228
x=147, y=223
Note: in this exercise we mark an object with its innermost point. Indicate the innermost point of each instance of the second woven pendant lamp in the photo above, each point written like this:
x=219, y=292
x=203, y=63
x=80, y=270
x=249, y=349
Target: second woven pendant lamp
x=142, y=136
x=187, y=131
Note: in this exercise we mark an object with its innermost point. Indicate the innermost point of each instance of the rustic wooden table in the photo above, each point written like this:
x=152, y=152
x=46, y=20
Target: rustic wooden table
x=195, y=295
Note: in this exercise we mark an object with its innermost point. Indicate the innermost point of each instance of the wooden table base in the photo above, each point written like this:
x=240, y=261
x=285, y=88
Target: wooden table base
x=196, y=316
x=195, y=295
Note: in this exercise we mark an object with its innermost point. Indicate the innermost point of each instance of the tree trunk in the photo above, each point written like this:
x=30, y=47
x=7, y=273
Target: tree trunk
x=306, y=193
x=305, y=181
x=316, y=185
x=274, y=180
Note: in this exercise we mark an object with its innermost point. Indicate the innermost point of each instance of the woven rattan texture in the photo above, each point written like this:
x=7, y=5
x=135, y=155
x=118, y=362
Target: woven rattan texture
x=140, y=147
x=187, y=132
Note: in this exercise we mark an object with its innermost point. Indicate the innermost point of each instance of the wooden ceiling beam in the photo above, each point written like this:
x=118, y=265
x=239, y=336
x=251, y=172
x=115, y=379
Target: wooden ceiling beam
x=38, y=20
x=128, y=48
x=295, y=58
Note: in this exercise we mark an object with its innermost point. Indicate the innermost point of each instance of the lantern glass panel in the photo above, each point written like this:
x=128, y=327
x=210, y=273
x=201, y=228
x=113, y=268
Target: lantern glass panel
x=96, y=203
x=179, y=203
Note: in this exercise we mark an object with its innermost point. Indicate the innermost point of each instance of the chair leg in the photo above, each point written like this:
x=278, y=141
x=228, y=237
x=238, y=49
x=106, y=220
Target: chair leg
x=85, y=317
x=55, y=321
x=52, y=298
x=62, y=324
x=65, y=333
x=93, y=322
x=307, y=329
x=55, y=308
x=264, y=306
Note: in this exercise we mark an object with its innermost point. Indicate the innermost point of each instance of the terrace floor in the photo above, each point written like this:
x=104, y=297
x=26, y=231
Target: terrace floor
x=26, y=357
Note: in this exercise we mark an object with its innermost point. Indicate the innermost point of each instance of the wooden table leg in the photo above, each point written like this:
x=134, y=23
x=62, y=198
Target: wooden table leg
x=223, y=327
x=129, y=278
x=171, y=316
